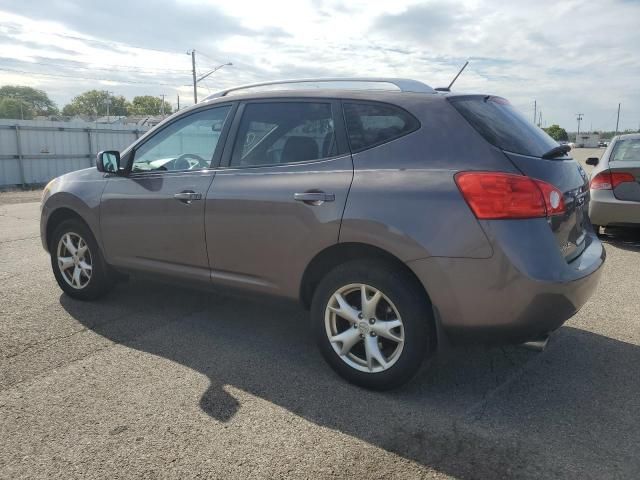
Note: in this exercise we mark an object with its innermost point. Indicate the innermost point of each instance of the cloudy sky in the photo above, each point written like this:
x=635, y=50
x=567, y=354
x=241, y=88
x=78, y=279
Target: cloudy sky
x=570, y=56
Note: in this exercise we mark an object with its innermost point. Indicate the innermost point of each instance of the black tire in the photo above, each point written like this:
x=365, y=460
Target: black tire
x=102, y=277
x=411, y=303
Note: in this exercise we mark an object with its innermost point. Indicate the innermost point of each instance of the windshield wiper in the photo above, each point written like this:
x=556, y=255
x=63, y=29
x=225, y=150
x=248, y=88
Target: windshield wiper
x=558, y=151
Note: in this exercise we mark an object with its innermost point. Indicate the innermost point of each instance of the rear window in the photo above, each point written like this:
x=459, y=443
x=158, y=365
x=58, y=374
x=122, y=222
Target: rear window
x=503, y=126
x=371, y=124
x=627, y=150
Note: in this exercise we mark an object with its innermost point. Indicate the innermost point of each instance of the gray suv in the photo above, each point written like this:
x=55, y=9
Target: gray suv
x=403, y=219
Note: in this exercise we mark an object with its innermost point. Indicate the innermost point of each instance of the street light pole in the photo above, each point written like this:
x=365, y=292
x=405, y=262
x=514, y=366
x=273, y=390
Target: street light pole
x=214, y=70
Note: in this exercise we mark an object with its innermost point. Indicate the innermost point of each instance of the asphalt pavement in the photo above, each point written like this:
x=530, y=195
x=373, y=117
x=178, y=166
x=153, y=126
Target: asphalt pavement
x=156, y=381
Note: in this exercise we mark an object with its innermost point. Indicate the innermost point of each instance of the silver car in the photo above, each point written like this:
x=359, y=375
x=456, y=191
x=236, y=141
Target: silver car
x=399, y=217
x=615, y=184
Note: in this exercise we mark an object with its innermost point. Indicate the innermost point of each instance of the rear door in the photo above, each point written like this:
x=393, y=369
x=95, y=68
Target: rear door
x=279, y=199
x=625, y=158
x=525, y=145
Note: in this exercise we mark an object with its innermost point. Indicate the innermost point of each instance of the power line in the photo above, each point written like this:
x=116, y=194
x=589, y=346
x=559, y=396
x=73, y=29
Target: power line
x=129, y=69
x=86, y=78
x=97, y=40
x=208, y=56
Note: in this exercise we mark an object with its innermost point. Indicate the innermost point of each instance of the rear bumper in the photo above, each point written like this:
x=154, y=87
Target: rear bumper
x=509, y=298
x=605, y=209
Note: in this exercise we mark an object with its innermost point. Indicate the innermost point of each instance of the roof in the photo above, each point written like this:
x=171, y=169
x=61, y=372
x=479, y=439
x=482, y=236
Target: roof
x=628, y=136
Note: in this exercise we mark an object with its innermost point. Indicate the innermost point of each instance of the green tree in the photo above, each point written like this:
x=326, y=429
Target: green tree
x=94, y=103
x=37, y=100
x=15, y=108
x=557, y=132
x=149, y=105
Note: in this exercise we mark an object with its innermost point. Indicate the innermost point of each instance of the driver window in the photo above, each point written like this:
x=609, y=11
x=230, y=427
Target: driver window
x=187, y=144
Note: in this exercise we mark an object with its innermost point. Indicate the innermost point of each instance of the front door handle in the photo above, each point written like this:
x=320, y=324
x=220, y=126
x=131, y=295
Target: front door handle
x=188, y=196
x=314, y=198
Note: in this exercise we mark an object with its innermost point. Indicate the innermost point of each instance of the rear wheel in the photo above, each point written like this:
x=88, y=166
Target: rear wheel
x=77, y=262
x=372, y=323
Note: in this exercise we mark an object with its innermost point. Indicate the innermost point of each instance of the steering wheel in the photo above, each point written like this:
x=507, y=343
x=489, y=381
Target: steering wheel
x=182, y=162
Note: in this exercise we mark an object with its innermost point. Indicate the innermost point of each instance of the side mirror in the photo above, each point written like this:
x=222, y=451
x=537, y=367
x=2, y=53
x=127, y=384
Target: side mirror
x=593, y=161
x=108, y=161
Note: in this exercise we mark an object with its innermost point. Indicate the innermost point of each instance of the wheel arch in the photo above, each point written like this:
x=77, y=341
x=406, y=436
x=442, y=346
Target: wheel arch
x=339, y=253
x=60, y=215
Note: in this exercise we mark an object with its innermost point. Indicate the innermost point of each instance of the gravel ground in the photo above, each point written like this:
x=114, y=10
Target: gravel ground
x=158, y=382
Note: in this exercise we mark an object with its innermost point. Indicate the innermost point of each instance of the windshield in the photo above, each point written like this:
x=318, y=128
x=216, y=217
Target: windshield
x=502, y=125
x=626, y=150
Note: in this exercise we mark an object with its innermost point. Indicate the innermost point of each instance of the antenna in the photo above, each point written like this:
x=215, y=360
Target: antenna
x=456, y=77
x=448, y=89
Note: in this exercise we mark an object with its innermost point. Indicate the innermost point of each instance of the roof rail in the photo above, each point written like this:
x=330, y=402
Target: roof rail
x=404, y=84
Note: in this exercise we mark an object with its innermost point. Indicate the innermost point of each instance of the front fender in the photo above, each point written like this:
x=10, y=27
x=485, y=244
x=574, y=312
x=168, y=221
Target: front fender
x=78, y=192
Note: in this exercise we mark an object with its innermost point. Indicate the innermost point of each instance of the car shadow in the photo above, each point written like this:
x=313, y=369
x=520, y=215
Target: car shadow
x=624, y=238
x=571, y=411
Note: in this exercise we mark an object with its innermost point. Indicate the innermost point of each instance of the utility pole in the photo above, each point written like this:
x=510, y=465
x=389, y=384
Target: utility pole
x=579, y=118
x=535, y=107
x=108, y=102
x=193, y=74
x=540, y=119
x=178, y=102
x=162, y=106
x=618, y=119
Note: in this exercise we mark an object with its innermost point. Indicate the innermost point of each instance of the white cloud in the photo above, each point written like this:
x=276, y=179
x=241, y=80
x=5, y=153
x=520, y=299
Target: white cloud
x=570, y=56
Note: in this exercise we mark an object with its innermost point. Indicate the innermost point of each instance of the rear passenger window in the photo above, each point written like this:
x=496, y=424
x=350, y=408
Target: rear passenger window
x=371, y=124
x=286, y=132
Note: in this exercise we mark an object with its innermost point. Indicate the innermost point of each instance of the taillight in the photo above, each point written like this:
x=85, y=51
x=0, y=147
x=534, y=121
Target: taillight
x=496, y=195
x=608, y=180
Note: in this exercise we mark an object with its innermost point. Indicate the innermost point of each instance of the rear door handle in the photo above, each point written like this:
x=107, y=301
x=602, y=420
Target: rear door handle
x=188, y=196
x=314, y=198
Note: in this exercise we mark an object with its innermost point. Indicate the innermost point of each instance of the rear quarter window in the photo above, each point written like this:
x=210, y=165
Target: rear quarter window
x=502, y=125
x=626, y=150
x=371, y=124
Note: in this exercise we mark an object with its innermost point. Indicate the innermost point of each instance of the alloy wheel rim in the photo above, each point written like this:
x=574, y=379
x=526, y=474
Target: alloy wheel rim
x=364, y=328
x=74, y=260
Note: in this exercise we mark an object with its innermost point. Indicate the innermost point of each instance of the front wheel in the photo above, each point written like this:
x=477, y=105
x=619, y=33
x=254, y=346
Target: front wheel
x=77, y=262
x=373, y=323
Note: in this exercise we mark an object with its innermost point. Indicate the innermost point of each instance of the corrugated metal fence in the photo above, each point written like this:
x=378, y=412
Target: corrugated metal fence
x=35, y=151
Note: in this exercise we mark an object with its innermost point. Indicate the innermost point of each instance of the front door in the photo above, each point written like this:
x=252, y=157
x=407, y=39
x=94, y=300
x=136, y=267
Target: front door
x=280, y=199
x=153, y=219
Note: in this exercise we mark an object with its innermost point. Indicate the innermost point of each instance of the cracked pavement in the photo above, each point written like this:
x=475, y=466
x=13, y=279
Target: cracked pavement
x=155, y=381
